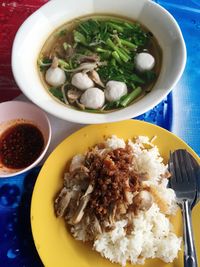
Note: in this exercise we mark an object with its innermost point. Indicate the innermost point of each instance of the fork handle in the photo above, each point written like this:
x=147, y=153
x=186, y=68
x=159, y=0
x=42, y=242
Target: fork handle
x=190, y=259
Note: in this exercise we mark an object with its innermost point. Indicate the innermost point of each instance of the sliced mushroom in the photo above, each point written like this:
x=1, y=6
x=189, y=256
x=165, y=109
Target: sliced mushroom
x=95, y=77
x=88, y=191
x=64, y=94
x=73, y=94
x=68, y=182
x=80, y=173
x=96, y=227
x=83, y=203
x=81, y=106
x=62, y=202
x=87, y=66
x=54, y=62
x=76, y=162
x=90, y=58
x=113, y=210
x=80, y=211
x=83, y=185
x=69, y=51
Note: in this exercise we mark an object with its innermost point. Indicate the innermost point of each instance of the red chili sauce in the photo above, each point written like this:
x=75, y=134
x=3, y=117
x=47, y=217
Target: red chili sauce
x=20, y=145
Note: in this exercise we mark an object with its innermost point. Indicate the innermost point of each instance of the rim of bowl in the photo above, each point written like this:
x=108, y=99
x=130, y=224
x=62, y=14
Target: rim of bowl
x=97, y=118
x=37, y=161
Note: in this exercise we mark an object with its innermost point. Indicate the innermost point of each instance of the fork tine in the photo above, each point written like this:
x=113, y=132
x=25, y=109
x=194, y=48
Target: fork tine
x=189, y=165
x=185, y=188
x=194, y=162
x=182, y=154
x=176, y=166
x=172, y=180
x=197, y=168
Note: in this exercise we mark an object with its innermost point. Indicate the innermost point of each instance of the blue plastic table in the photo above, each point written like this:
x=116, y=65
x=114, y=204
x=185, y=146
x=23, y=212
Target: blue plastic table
x=179, y=113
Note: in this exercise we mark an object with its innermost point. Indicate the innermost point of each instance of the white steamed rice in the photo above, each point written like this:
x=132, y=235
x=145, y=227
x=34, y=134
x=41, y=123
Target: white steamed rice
x=152, y=235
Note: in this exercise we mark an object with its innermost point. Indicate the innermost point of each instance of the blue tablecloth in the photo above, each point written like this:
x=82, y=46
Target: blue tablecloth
x=179, y=112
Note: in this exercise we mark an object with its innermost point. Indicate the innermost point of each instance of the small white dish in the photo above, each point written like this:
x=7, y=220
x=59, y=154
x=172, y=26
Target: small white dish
x=17, y=112
x=36, y=29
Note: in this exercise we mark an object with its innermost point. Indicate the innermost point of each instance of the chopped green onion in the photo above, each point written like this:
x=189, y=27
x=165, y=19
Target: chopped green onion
x=116, y=57
x=113, y=62
x=115, y=26
x=63, y=64
x=128, y=25
x=110, y=43
x=127, y=43
x=130, y=97
x=123, y=55
x=101, y=50
x=83, y=28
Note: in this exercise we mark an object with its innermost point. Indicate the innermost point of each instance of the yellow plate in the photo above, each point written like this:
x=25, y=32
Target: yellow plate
x=55, y=245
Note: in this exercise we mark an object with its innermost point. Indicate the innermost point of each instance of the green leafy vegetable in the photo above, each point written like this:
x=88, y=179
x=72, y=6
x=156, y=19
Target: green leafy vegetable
x=130, y=97
x=79, y=38
x=127, y=43
x=124, y=73
x=44, y=64
x=112, y=41
x=115, y=26
x=62, y=33
x=150, y=75
x=116, y=57
x=122, y=54
x=57, y=93
x=65, y=46
x=63, y=64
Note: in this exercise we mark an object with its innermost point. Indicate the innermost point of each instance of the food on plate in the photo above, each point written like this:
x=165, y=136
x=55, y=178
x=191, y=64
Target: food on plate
x=117, y=58
x=20, y=145
x=115, y=196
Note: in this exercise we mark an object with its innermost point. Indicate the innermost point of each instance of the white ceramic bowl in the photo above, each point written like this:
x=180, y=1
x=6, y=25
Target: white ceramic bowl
x=15, y=112
x=37, y=28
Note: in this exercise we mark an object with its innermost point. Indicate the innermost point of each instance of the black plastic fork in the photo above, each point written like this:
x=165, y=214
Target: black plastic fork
x=184, y=182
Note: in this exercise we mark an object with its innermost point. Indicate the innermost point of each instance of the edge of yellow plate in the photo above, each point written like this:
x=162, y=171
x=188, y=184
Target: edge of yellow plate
x=124, y=127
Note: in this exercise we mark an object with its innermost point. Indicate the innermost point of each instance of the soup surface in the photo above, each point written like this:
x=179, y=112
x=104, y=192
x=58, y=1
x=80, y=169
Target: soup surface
x=100, y=63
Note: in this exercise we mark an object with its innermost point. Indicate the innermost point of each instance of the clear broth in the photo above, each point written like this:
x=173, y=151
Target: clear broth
x=55, y=41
